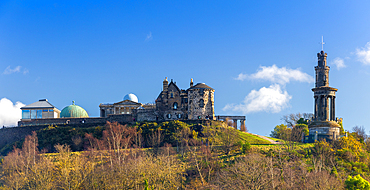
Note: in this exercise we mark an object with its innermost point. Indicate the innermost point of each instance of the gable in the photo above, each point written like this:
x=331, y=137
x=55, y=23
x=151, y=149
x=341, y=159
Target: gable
x=173, y=87
x=127, y=102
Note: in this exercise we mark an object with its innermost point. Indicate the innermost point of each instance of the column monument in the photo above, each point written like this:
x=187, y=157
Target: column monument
x=324, y=122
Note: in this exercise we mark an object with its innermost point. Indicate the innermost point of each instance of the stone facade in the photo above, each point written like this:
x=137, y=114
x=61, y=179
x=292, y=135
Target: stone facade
x=201, y=102
x=197, y=102
x=123, y=107
x=173, y=103
x=324, y=122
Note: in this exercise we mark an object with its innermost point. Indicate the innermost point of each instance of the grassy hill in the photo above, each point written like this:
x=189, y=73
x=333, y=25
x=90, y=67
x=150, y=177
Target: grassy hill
x=252, y=139
x=74, y=136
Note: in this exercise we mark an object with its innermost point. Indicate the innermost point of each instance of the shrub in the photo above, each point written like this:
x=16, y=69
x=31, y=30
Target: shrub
x=246, y=147
x=357, y=182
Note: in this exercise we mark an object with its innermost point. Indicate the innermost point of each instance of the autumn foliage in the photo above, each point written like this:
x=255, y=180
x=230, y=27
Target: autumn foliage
x=208, y=158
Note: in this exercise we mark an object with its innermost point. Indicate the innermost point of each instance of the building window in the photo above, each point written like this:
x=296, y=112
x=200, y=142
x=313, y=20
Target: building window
x=201, y=103
x=38, y=114
x=171, y=95
x=201, y=92
x=33, y=114
x=26, y=114
x=179, y=116
x=175, y=106
x=169, y=116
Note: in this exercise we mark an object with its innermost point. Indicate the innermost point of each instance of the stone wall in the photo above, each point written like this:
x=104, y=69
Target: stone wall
x=145, y=115
x=121, y=118
x=201, y=103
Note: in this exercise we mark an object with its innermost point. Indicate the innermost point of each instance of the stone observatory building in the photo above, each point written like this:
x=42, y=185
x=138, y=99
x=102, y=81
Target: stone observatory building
x=324, y=124
x=197, y=102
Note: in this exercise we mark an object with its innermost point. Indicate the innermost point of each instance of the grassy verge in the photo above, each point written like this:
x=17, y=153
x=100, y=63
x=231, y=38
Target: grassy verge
x=252, y=139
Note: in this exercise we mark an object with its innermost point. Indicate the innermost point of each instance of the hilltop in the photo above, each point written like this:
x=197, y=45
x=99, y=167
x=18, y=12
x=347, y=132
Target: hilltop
x=74, y=135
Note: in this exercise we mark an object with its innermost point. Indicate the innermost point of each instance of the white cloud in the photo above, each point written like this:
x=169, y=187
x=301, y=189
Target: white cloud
x=278, y=75
x=10, y=113
x=241, y=77
x=17, y=69
x=149, y=36
x=271, y=99
x=339, y=62
x=363, y=54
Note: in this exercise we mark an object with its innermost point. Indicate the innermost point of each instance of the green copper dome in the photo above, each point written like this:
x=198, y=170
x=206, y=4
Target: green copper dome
x=73, y=111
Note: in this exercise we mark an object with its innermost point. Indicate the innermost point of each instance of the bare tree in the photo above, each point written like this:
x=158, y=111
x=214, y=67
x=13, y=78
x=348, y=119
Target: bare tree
x=360, y=133
x=155, y=140
x=291, y=119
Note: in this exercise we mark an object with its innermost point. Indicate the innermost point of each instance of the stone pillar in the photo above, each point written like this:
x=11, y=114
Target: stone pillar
x=321, y=104
x=315, y=116
x=235, y=123
x=333, y=107
x=326, y=109
x=242, y=125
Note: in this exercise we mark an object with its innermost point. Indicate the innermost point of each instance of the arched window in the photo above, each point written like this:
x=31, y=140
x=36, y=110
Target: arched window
x=171, y=95
x=179, y=116
x=175, y=106
x=201, y=103
x=169, y=116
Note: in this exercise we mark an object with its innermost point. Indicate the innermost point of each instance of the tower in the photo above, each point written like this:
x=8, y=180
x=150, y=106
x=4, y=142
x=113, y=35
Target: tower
x=323, y=124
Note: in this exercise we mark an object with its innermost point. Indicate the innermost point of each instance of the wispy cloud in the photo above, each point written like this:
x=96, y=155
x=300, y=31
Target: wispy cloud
x=271, y=99
x=10, y=113
x=275, y=74
x=17, y=69
x=339, y=63
x=149, y=36
x=363, y=54
x=241, y=77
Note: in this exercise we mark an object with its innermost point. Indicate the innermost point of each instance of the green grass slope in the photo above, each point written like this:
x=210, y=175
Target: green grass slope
x=252, y=139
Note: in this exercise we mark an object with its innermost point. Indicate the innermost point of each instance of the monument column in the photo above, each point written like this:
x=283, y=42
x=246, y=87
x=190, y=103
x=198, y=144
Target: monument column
x=242, y=125
x=316, y=107
x=333, y=107
x=235, y=123
x=321, y=108
x=327, y=117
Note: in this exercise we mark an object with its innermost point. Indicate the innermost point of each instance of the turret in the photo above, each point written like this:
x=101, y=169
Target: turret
x=321, y=58
x=322, y=70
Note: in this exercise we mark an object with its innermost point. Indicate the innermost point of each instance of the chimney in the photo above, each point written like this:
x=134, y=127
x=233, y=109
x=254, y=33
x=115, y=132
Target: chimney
x=165, y=85
x=191, y=83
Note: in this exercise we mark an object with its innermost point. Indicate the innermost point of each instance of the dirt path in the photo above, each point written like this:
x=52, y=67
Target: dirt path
x=272, y=141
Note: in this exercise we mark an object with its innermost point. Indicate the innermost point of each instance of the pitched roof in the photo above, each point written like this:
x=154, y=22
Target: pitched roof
x=127, y=102
x=43, y=103
x=201, y=86
x=174, y=84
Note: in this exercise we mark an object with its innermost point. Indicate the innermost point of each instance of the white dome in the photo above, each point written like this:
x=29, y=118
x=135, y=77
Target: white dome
x=131, y=97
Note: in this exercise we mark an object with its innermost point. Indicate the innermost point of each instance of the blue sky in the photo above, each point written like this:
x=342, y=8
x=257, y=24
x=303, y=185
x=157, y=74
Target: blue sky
x=97, y=51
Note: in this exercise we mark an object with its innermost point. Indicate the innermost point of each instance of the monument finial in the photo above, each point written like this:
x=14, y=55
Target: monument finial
x=322, y=43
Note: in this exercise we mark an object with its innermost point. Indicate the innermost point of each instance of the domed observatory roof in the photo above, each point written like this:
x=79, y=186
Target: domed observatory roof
x=74, y=111
x=131, y=97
